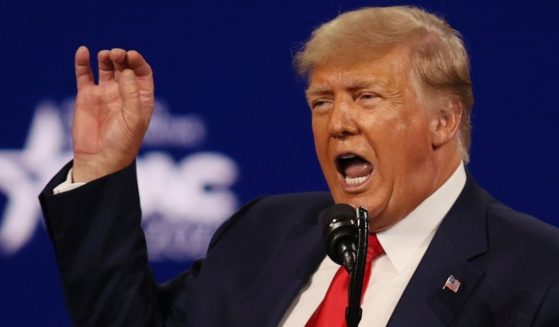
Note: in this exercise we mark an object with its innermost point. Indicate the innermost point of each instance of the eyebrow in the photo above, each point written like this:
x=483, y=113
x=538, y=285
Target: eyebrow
x=352, y=86
x=317, y=91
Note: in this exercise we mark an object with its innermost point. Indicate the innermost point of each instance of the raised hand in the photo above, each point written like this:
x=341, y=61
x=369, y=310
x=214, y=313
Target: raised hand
x=111, y=117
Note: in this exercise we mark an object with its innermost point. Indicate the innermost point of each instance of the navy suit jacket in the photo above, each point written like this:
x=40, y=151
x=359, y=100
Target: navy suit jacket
x=259, y=260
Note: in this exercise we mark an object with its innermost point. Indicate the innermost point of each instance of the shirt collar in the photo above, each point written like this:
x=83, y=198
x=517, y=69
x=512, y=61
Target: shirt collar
x=402, y=241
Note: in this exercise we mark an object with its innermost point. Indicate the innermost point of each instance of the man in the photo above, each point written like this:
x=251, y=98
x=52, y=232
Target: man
x=390, y=96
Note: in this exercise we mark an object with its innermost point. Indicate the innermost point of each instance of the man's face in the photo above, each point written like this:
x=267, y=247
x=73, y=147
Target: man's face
x=372, y=135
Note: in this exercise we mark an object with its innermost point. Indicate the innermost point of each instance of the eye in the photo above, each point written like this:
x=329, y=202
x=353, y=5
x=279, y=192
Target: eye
x=367, y=96
x=321, y=105
x=368, y=99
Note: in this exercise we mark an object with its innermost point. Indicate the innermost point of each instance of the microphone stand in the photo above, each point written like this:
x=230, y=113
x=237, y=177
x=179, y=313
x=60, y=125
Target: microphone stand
x=353, y=310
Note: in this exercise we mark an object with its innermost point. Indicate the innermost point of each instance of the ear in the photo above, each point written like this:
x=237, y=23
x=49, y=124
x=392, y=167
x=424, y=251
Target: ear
x=445, y=121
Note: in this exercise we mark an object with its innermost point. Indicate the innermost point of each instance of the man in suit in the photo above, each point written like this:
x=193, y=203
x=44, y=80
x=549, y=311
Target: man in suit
x=390, y=96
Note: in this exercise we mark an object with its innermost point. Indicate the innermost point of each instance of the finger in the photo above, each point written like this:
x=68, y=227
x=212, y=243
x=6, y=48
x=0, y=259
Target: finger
x=138, y=64
x=106, y=68
x=144, y=78
x=118, y=58
x=130, y=92
x=84, y=76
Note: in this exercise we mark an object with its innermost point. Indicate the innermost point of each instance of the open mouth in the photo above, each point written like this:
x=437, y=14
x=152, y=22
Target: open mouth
x=354, y=169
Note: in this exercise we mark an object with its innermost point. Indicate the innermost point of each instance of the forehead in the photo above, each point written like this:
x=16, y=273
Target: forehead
x=392, y=69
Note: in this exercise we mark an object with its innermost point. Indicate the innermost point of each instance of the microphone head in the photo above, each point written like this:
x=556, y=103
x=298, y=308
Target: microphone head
x=340, y=231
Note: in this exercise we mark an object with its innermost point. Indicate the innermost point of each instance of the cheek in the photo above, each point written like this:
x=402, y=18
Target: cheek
x=395, y=135
x=379, y=118
x=317, y=133
x=383, y=129
x=415, y=146
x=320, y=135
x=419, y=130
x=315, y=129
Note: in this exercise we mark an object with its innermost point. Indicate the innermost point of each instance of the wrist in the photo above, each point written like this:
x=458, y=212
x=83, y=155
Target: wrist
x=85, y=170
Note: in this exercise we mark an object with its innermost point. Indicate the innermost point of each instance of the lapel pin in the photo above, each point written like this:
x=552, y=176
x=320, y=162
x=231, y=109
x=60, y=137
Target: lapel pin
x=452, y=284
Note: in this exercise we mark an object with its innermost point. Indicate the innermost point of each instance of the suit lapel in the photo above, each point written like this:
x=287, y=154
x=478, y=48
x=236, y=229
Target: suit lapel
x=292, y=264
x=461, y=236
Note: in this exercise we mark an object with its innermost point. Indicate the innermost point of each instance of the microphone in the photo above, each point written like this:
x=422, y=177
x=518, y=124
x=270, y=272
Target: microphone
x=341, y=234
x=346, y=233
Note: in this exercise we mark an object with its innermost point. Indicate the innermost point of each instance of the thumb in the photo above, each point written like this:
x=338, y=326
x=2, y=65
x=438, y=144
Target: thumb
x=130, y=92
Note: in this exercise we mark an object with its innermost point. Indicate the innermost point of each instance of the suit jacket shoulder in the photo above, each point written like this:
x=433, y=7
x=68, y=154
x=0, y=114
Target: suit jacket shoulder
x=505, y=262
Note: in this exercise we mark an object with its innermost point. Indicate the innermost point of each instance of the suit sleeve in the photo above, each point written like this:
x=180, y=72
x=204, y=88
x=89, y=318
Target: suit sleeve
x=101, y=253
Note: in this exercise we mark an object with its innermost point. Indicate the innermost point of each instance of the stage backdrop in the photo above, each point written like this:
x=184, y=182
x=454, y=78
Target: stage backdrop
x=231, y=121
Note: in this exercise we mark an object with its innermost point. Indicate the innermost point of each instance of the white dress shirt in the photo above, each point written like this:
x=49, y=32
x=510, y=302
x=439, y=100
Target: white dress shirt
x=404, y=245
x=67, y=185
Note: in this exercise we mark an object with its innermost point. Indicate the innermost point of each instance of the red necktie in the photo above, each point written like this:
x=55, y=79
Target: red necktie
x=331, y=312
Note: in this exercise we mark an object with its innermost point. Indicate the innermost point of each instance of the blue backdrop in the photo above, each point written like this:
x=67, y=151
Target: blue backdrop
x=223, y=73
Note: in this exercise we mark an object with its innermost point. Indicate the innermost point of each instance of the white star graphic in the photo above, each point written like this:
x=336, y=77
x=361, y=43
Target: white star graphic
x=24, y=172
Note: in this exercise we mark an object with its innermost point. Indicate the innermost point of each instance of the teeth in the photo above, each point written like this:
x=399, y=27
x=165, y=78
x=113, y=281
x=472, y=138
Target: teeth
x=347, y=156
x=355, y=180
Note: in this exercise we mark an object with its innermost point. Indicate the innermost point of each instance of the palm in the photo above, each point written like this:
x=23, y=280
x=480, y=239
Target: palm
x=112, y=116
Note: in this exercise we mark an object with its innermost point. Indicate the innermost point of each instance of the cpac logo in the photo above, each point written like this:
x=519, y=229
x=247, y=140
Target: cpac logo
x=183, y=201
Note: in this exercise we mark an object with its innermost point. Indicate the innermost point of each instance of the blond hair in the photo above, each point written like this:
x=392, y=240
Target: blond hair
x=439, y=57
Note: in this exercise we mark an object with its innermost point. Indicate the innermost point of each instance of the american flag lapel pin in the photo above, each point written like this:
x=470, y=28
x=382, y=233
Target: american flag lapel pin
x=452, y=284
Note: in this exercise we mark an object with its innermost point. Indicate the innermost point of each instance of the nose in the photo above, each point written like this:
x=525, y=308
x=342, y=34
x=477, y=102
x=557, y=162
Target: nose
x=342, y=122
